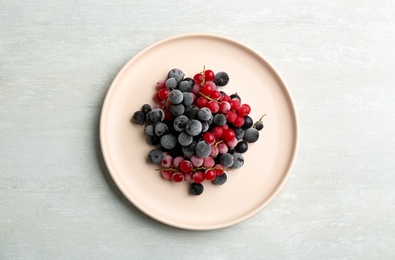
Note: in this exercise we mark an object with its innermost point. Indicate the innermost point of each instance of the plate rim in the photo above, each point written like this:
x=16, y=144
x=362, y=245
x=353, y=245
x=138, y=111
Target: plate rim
x=105, y=152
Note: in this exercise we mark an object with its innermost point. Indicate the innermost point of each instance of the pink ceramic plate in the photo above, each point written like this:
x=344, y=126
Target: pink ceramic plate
x=267, y=162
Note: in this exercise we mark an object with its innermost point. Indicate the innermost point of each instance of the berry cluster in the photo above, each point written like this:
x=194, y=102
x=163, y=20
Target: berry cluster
x=200, y=132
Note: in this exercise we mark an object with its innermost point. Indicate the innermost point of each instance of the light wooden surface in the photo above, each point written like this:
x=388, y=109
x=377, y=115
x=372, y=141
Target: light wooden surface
x=57, y=60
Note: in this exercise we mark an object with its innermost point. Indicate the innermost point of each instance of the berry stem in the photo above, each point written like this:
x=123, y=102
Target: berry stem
x=203, y=75
x=209, y=98
x=217, y=143
x=167, y=169
x=260, y=120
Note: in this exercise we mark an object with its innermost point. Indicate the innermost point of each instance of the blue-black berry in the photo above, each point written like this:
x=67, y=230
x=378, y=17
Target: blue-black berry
x=220, y=179
x=196, y=188
x=221, y=78
x=138, y=118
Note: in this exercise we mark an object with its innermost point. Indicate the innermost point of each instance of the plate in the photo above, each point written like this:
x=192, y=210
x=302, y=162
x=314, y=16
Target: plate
x=267, y=162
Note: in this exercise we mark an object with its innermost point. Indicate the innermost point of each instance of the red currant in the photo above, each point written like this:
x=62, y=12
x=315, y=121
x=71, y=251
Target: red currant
x=177, y=177
x=225, y=98
x=209, y=138
x=186, y=166
x=187, y=176
x=209, y=75
x=239, y=121
x=224, y=107
x=206, y=89
x=229, y=135
x=198, y=78
x=218, y=132
x=219, y=169
x=208, y=162
x=213, y=106
x=214, y=151
x=163, y=93
x=167, y=174
x=231, y=143
x=156, y=98
x=177, y=161
x=196, y=89
x=198, y=177
x=210, y=175
x=215, y=94
x=245, y=109
x=235, y=104
x=201, y=102
x=231, y=116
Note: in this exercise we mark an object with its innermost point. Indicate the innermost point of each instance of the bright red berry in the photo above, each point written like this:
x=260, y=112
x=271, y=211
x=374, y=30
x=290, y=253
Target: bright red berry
x=198, y=78
x=231, y=116
x=163, y=93
x=209, y=138
x=239, y=121
x=186, y=166
x=177, y=177
x=225, y=98
x=244, y=110
x=213, y=106
x=201, y=102
x=206, y=89
x=219, y=169
x=209, y=75
x=210, y=175
x=235, y=104
x=198, y=177
x=215, y=94
x=229, y=135
x=218, y=132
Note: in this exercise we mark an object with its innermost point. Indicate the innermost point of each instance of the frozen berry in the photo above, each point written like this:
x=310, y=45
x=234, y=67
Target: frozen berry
x=221, y=78
x=241, y=147
x=196, y=188
x=251, y=135
x=259, y=125
x=155, y=156
x=138, y=118
x=220, y=179
x=238, y=160
x=177, y=74
x=168, y=141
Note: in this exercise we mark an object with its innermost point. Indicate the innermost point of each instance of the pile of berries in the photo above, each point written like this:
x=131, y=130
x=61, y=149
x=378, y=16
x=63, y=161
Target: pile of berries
x=200, y=132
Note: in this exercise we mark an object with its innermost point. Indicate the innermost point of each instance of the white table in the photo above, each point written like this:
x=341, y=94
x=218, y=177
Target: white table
x=57, y=60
